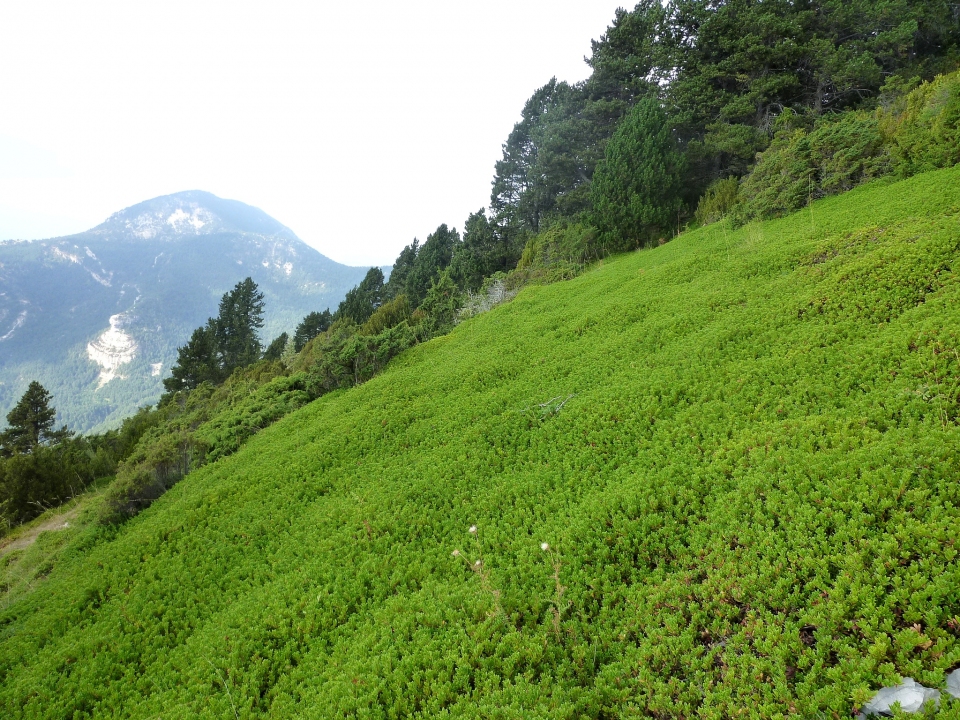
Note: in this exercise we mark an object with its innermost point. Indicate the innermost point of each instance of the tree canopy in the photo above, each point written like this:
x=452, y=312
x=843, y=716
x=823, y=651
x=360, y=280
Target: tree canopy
x=225, y=343
x=724, y=72
x=237, y=328
x=636, y=189
x=31, y=422
x=311, y=326
x=361, y=302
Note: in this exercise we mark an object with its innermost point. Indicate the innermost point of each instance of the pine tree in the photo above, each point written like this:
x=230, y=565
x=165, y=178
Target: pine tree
x=636, y=189
x=433, y=257
x=361, y=302
x=238, y=326
x=230, y=341
x=311, y=326
x=196, y=361
x=275, y=350
x=402, y=267
x=482, y=253
x=31, y=422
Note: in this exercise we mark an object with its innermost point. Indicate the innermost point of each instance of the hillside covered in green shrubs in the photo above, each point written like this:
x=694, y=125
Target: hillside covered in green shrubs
x=714, y=479
x=712, y=473
x=693, y=112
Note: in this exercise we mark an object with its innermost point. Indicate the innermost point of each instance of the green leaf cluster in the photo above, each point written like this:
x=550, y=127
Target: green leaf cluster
x=41, y=467
x=727, y=74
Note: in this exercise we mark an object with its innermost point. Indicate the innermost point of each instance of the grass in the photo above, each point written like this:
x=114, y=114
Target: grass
x=749, y=495
x=29, y=552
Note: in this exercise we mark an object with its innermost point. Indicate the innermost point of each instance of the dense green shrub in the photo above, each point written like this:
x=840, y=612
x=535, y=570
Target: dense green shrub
x=922, y=129
x=364, y=356
x=391, y=313
x=915, y=132
x=41, y=466
x=719, y=199
x=344, y=356
x=437, y=313
x=560, y=252
x=740, y=449
x=840, y=152
x=47, y=476
x=151, y=471
x=193, y=427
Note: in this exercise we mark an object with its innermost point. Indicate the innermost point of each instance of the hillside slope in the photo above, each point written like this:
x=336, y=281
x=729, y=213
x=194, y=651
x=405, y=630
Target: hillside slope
x=97, y=317
x=741, y=447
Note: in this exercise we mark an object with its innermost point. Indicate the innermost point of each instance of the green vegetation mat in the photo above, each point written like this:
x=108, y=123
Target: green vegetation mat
x=741, y=447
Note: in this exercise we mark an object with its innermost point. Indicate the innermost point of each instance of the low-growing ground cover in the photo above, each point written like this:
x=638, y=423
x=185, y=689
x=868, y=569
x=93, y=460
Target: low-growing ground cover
x=30, y=552
x=713, y=479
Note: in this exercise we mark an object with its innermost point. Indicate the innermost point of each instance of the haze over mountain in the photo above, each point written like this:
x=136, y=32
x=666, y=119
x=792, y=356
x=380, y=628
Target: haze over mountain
x=96, y=317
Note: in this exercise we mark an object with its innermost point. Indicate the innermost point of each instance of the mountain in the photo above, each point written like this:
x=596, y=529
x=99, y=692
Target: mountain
x=96, y=317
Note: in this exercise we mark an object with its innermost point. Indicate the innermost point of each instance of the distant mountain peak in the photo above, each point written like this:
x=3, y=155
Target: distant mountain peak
x=190, y=213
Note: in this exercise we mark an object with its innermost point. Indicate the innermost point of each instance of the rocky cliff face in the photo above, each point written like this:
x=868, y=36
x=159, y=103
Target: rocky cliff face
x=97, y=317
x=113, y=349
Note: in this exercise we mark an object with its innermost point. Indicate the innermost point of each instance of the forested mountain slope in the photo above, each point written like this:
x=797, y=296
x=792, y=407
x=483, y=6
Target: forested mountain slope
x=712, y=479
x=97, y=317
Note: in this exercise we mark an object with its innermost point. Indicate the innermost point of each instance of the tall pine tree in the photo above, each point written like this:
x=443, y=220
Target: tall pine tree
x=636, y=189
x=31, y=422
x=238, y=326
x=230, y=341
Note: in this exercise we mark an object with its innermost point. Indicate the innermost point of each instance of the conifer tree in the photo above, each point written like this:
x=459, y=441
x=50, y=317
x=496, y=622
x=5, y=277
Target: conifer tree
x=432, y=258
x=636, y=189
x=238, y=326
x=402, y=266
x=275, y=350
x=196, y=361
x=31, y=422
x=482, y=253
x=311, y=326
x=364, y=299
x=230, y=341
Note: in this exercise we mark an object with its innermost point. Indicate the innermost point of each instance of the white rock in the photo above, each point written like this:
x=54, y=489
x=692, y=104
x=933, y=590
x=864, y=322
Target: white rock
x=953, y=683
x=112, y=349
x=911, y=695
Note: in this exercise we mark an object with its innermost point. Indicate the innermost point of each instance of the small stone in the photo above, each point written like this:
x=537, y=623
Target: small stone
x=911, y=695
x=953, y=683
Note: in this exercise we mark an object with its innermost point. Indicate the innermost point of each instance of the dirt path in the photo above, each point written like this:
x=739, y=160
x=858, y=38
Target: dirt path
x=56, y=522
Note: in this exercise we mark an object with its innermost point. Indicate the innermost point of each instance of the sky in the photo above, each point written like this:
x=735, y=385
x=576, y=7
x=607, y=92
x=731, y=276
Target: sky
x=358, y=125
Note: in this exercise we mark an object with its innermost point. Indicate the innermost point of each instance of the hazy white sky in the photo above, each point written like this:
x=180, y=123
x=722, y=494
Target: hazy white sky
x=359, y=126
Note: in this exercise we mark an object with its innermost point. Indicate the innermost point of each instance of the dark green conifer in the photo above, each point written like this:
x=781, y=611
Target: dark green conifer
x=31, y=422
x=636, y=189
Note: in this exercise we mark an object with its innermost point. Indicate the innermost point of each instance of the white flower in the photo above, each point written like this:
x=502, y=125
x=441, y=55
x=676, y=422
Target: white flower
x=544, y=546
x=473, y=530
x=455, y=553
x=477, y=564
